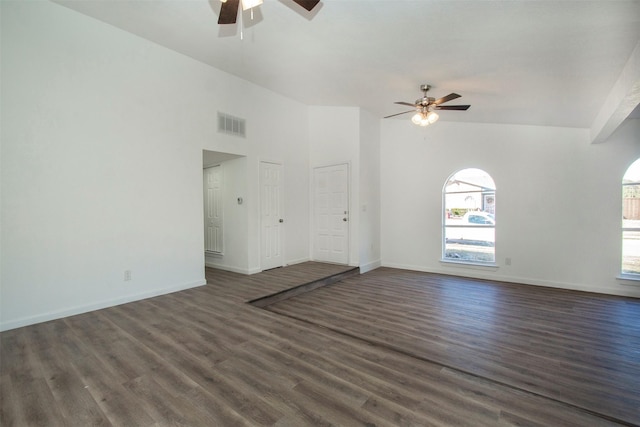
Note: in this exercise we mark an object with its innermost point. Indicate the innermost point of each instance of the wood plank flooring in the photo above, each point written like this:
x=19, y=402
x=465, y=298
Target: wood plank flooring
x=486, y=354
x=577, y=348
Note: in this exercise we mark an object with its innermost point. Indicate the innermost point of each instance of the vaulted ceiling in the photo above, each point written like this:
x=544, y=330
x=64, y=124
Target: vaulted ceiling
x=552, y=63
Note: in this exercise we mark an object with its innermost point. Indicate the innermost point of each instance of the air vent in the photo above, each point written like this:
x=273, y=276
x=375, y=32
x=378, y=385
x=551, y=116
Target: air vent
x=231, y=125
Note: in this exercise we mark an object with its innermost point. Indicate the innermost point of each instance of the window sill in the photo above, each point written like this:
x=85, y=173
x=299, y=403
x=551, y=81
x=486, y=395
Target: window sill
x=629, y=279
x=470, y=264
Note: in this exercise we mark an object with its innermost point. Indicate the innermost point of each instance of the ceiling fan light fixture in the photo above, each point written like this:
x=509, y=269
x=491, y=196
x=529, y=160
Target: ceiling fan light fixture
x=248, y=4
x=432, y=117
x=425, y=122
x=417, y=118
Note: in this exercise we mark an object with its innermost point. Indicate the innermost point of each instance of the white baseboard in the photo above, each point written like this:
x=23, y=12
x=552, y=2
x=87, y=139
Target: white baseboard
x=245, y=271
x=228, y=268
x=297, y=261
x=476, y=273
x=364, y=268
x=59, y=314
x=248, y=271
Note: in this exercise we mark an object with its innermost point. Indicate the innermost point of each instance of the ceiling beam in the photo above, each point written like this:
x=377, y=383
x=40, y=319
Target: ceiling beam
x=623, y=98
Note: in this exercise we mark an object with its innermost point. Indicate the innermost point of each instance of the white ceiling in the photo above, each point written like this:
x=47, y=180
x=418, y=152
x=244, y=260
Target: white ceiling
x=520, y=62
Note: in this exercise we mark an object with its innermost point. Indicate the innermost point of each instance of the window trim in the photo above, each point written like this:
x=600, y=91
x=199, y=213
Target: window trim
x=475, y=265
x=624, y=276
x=484, y=265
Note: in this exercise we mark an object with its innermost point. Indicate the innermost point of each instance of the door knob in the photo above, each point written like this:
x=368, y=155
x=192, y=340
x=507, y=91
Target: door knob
x=281, y=220
x=344, y=219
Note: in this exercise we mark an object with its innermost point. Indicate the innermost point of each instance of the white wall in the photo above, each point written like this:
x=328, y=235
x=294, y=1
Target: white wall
x=558, y=199
x=276, y=134
x=351, y=135
x=369, y=233
x=334, y=138
x=102, y=143
x=281, y=136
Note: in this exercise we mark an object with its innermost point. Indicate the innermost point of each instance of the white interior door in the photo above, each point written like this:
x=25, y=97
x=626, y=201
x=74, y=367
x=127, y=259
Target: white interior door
x=213, y=237
x=331, y=214
x=271, y=215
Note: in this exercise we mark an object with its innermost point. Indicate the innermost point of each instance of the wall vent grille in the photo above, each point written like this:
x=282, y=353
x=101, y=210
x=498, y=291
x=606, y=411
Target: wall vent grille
x=231, y=125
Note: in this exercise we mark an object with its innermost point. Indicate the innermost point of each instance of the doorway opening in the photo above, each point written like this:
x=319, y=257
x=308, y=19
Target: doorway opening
x=221, y=227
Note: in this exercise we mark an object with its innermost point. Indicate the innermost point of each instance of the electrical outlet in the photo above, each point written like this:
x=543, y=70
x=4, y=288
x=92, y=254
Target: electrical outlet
x=127, y=275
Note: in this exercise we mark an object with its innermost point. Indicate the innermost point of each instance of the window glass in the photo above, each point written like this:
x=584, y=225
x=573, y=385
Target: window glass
x=631, y=220
x=469, y=199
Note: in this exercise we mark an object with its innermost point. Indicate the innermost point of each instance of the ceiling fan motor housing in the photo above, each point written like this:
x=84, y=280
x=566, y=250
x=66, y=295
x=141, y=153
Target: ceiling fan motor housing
x=425, y=101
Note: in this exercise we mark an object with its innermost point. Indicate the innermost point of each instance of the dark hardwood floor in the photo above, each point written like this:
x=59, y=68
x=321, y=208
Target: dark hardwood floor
x=387, y=348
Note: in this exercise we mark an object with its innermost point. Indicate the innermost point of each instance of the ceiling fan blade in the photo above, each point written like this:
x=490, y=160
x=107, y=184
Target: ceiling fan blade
x=447, y=98
x=404, y=112
x=228, y=12
x=307, y=4
x=410, y=104
x=453, y=107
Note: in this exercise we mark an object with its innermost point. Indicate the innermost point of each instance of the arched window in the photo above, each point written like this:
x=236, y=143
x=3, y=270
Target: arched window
x=631, y=220
x=469, y=221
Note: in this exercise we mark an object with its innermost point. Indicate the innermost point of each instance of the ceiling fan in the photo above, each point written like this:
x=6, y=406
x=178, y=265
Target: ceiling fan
x=229, y=9
x=425, y=107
